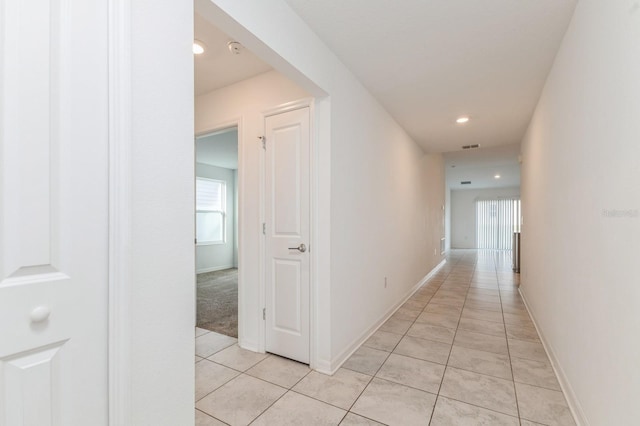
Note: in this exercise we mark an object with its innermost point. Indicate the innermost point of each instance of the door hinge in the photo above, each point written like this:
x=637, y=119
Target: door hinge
x=264, y=314
x=264, y=141
x=264, y=228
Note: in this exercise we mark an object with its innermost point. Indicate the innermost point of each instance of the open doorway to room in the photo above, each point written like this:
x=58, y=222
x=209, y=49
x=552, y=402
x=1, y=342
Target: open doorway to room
x=253, y=229
x=217, y=232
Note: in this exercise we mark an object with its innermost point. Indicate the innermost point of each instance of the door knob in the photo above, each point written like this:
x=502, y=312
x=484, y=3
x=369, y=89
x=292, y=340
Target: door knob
x=40, y=314
x=301, y=248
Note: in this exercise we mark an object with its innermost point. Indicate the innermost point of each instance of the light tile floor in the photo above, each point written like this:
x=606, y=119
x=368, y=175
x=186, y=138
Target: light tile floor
x=461, y=351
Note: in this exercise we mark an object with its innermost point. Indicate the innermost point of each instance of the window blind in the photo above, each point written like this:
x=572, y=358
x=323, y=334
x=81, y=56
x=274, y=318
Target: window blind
x=496, y=220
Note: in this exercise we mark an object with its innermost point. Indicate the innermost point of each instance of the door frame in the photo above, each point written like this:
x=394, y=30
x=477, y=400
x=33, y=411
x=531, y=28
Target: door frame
x=122, y=287
x=269, y=112
x=235, y=122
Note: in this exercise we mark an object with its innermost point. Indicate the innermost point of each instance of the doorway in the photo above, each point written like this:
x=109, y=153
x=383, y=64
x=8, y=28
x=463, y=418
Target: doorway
x=216, y=215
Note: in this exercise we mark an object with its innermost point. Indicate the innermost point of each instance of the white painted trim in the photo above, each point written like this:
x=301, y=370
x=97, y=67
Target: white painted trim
x=565, y=385
x=215, y=268
x=345, y=354
x=288, y=106
x=120, y=142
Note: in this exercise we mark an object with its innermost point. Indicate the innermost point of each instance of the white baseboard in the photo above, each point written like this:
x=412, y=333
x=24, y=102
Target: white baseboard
x=250, y=346
x=215, y=268
x=333, y=366
x=569, y=394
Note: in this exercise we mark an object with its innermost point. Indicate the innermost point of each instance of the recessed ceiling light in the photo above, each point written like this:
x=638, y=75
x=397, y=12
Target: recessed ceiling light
x=497, y=176
x=198, y=47
x=462, y=120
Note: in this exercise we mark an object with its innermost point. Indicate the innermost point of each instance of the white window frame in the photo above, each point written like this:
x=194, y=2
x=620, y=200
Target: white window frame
x=223, y=212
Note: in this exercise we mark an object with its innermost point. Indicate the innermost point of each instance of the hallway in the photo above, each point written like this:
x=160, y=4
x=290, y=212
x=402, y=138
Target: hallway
x=461, y=350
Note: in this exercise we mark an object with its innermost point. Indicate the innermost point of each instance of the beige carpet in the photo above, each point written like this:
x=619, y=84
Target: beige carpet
x=217, y=295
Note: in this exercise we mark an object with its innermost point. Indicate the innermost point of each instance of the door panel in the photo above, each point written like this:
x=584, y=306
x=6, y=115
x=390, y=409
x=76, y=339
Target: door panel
x=53, y=212
x=287, y=227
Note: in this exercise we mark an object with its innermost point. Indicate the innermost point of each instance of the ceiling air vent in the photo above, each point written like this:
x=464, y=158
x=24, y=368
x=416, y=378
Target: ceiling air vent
x=471, y=146
x=465, y=182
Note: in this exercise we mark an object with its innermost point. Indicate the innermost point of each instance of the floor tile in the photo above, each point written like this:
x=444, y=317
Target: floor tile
x=416, y=373
x=431, y=332
x=518, y=319
x=509, y=308
x=354, y=420
x=201, y=331
x=414, y=304
x=481, y=326
x=481, y=390
x=543, y=405
x=203, y=419
x=522, y=333
x=197, y=358
x=449, y=320
x=448, y=300
x=393, y=325
x=481, y=342
x=342, y=389
x=482, y=362
x=535, y=373
x=383, y=341
x=485, y=306
x=427, y=350
x=455, y=413
x=241, y=400
x=524, y=422
x=528, y=350
x=366, y=360
x=237, y=358
x=280, y=371
x=492, y=286
x=483, y=291
x=482, y=315
x=442, y=309
x=394, y=404
x=210, y=376
x=406, y=314
x=474, y=297
x=210, y=343
x=421, y=297
x=295, y=409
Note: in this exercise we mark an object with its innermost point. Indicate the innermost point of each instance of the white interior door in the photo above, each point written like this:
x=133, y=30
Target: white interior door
x=53, y=212
x=287, y=234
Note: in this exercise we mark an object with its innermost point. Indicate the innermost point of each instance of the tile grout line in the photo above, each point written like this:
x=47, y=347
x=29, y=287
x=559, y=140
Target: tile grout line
x=435, y=403
x=513, y=378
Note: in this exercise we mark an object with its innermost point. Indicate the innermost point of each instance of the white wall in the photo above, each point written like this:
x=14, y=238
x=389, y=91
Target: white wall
x=214, y=257
x=463, y=213
x=581, y=163
x=374, y=183
x=244, y=103
x=160, y=271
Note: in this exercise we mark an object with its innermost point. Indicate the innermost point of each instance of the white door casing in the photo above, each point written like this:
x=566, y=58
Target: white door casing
x=53, y=212
x=287, y=234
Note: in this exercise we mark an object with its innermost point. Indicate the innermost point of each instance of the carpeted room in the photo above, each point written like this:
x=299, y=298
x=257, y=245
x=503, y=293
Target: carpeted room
x=216, y=231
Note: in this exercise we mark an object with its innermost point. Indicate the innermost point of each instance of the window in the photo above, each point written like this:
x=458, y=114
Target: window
x=211, y=211
x=496, y=220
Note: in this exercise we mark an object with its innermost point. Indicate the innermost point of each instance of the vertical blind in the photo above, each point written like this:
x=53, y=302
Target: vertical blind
x=496, y=220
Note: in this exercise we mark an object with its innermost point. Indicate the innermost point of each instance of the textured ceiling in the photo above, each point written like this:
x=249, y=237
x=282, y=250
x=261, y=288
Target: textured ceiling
x=430, y=61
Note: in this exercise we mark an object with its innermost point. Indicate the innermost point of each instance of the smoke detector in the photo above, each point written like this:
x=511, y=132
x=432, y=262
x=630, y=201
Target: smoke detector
x=234, y=47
